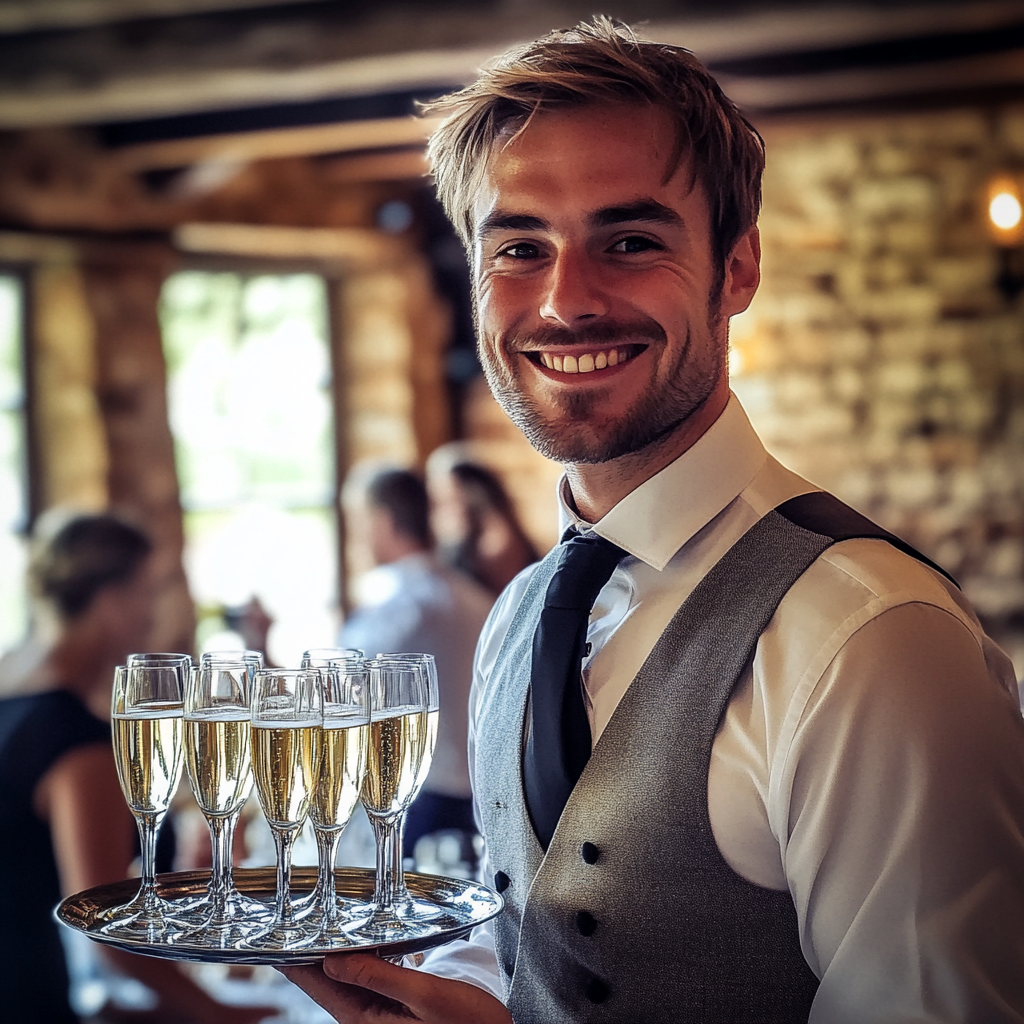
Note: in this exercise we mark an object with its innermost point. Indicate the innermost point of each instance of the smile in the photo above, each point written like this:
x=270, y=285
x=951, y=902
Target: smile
x=586, y=362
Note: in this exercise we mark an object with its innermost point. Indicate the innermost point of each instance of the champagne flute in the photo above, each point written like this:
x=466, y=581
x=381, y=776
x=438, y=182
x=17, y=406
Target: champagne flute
x=407, y=906
x=346, y=734
x=146, y=710
x=398, y=732
x=323, y=658
x=287, y=718
x=217, y=755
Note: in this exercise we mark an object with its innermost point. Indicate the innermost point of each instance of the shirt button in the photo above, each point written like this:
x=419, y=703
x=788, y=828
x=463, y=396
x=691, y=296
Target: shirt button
x=501, y=881
x=589, y=852
x=586, y=922
x=596, y=990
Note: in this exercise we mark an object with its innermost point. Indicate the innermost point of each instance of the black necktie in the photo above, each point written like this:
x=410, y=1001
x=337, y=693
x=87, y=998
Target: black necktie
x=559, y=743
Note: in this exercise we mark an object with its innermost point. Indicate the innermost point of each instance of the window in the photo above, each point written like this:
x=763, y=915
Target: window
x=249, y=392
x=13, y=465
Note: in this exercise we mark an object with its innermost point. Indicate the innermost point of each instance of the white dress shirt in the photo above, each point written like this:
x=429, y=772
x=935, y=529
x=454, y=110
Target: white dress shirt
x=871, y=759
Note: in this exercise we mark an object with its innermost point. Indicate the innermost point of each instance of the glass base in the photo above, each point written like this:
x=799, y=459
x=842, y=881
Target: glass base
x=146, y=919
x=382, y=924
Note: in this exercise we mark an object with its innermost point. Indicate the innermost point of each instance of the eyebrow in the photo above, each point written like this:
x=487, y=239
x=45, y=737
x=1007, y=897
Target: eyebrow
x=500, y=220
x=644, y=210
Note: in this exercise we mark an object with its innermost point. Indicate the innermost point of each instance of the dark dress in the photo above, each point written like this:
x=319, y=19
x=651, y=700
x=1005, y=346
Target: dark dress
x=36, y=730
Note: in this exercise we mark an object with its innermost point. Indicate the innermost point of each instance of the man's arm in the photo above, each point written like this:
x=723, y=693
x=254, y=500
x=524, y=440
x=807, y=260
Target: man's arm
x=903, y=841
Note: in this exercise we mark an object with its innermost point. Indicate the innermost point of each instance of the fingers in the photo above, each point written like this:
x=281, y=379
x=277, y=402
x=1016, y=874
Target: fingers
x=371, y=972
x=414, y=993
x=343, y=1002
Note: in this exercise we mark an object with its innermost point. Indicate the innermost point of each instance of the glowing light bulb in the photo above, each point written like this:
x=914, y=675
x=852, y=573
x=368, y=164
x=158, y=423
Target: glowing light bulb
x=1004, y=210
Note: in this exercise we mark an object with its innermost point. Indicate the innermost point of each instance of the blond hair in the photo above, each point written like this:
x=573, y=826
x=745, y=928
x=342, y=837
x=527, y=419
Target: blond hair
x=601, y=61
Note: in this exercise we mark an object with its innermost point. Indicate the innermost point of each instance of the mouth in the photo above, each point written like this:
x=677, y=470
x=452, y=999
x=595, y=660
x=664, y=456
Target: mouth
x=585, y=362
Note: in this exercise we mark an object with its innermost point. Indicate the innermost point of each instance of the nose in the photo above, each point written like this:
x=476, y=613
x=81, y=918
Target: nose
x=573, y=291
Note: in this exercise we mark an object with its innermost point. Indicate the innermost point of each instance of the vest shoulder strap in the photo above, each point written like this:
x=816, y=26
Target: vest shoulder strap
x=823, y=513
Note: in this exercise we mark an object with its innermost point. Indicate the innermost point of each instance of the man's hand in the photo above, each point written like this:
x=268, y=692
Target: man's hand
x=357, y=988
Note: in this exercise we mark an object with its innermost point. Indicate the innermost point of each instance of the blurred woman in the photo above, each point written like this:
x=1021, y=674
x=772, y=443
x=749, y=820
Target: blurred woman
x=475, y=522
x=66, y=825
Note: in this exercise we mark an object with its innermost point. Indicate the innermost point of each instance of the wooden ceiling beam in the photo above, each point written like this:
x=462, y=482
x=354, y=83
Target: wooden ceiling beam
x=346, y=136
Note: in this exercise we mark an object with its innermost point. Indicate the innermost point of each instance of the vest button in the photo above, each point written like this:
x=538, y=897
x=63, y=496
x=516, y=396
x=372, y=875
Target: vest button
x=596, y=990
x=586, y=922
x=501, y=881
x=589, y=852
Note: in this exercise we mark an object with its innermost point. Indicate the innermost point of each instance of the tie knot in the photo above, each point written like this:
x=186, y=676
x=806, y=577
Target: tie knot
x=585, y=564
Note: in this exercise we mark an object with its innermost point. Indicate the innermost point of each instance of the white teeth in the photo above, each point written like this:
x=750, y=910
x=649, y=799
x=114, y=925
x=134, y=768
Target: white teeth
x=585, y=363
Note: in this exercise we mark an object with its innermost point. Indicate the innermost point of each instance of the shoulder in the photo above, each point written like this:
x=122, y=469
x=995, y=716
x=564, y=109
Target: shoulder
x=856, y=580
x=55, y=718
x=858, y=610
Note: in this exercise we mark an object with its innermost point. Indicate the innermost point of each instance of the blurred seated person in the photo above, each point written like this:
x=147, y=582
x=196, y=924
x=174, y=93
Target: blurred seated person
x=475, y=522
x=410, y=602
x=66, y=824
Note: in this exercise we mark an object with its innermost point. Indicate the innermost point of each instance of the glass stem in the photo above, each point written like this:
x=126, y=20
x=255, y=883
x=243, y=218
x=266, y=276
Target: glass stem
x=383, y=892
x=327, y=845
x=148, y=823
x=221, y=830
x=398, y=861
x=284, y=840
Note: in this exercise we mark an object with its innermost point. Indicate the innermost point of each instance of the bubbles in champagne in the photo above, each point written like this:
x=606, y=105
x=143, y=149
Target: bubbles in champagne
x=148, y=755
x=286, y=763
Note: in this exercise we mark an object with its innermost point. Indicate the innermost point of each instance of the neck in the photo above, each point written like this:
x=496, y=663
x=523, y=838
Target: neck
x=83, y=665
x=597, y=488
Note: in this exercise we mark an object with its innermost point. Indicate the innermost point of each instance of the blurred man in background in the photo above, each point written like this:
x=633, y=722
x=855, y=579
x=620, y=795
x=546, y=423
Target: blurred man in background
x=409, y=602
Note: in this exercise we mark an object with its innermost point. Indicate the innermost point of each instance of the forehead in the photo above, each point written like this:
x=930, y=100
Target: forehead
x=585, y=158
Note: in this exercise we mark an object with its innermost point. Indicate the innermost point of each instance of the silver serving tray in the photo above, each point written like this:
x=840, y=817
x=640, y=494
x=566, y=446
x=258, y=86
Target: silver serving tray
x=465, y=904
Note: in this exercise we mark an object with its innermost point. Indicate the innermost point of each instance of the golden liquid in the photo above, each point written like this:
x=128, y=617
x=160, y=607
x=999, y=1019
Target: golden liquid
x=342, y=767
x=148, y=755
x=428, y=751
x=396, y=750
x=219, y=762
x=285, y=763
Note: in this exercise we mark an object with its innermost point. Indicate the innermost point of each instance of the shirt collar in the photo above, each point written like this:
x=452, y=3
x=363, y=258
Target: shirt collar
x=654, y=521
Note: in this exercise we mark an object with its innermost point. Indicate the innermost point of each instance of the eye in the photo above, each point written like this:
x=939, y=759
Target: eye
x=520, y=251
x=634, y=244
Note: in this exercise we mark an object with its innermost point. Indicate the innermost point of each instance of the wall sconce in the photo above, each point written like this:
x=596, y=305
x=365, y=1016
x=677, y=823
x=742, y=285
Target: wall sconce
x=1005, y=214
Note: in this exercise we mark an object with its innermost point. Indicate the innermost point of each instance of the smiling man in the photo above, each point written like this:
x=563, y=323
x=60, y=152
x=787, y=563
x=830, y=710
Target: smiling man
x=738, y=753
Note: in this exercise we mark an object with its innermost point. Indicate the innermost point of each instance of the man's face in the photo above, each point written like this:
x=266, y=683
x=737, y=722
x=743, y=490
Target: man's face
x=601, y=313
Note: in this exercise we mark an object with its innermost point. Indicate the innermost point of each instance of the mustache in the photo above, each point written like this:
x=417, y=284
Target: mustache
x=601, y=333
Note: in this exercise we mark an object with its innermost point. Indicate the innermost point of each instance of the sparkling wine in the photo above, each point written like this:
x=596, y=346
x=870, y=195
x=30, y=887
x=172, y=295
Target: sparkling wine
x=396, y=751
x=217, y=752
x=342, y=767
x=286, y=763
x=148, y=755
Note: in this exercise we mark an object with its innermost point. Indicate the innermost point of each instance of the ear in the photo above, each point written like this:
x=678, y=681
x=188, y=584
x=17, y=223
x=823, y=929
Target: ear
x=742, y=273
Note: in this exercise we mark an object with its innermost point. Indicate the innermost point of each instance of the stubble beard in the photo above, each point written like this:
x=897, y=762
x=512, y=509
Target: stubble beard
x=574, y=433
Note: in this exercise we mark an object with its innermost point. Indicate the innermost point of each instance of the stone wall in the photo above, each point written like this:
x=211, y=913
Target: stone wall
x=878, y=358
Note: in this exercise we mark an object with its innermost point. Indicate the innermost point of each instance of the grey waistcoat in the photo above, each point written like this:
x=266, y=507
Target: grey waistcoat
x=633, y=916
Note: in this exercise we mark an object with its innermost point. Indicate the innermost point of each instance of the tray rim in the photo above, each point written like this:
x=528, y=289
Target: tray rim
x=72, y=912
